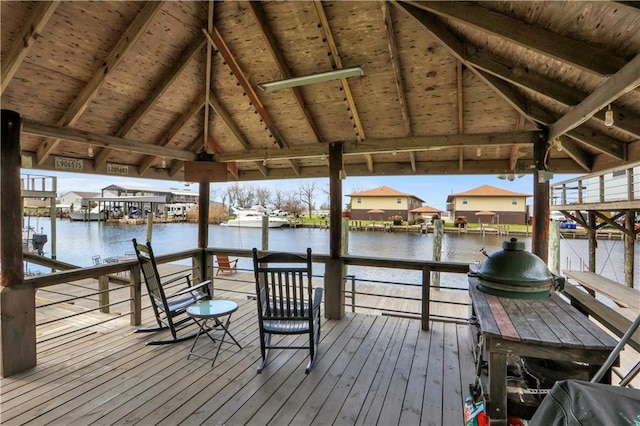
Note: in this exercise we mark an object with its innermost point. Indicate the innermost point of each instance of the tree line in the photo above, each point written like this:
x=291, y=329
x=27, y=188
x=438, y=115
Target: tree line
x=303, y=199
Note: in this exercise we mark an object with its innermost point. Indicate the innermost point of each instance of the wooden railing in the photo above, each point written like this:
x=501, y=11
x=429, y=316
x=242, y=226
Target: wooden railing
x=202, y=268
x=617, y=185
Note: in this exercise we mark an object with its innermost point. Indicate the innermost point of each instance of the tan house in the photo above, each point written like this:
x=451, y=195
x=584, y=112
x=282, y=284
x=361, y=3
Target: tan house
x=381, y=203
x=488, y=204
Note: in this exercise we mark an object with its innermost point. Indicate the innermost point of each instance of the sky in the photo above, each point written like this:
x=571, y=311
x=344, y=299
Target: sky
x=432, y=189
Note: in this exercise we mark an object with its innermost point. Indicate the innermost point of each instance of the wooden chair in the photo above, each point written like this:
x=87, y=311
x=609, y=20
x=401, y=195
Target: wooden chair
x=226, y=266
x=169, y=299
x=285, y=302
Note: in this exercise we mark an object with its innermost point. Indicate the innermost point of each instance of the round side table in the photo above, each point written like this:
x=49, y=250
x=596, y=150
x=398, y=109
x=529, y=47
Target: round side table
x=212, y=310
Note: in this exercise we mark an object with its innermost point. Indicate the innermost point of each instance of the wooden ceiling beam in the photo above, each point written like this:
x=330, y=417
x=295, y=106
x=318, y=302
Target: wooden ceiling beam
x=397, y=70
x=625, y=80
x=160, y=88
x=216, y=40
x=368, y=158
x=576, y=53
x=24, y=39
x=460, y=108
x=505, y=90
x=35, y=128
x=285, y=72
x=173, y=131
x=295, y=167
x=576, y=153
x=387, y=145
x=426, y=168
x=412, y=160
x=207, y=77
x=336, y=63
x=540, y=84
x=228, y=121
x=113, y=59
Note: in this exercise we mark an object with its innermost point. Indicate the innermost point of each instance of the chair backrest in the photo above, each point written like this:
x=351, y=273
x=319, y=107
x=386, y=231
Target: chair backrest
x=147, y=262
x=223, y=260
x=97, y=260
x=283, y=285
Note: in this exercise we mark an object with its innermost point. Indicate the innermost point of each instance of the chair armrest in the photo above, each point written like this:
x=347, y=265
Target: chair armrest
x=177, y=278
x=317, y=298
x=233, y=261
x=190, y=289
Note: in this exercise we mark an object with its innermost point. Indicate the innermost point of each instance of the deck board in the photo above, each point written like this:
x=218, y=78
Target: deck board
x=369, y=369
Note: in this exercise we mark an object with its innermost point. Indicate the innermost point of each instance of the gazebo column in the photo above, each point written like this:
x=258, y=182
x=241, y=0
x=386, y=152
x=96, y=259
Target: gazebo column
x=334, y=268
x=540, y=236
x=206, y=265
x=17, y=300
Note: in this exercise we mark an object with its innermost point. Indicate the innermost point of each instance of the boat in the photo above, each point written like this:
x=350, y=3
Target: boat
x=252, y=218
x=91, y=215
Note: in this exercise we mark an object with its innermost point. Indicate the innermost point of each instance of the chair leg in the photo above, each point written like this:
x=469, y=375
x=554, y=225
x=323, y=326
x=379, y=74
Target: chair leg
x=265, y=342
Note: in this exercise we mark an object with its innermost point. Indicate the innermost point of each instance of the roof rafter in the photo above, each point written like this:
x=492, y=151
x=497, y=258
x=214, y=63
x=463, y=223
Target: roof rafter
x=538, y=83
x=395, y=65
x=628, y=78
x=604, y=144
x=174, y=130
x=336, y=63
x=23, y=41
x=580, y=54
x=216, y=39
x=161, y=87
x=228, y=121
x=115, y=56
x=278, y=57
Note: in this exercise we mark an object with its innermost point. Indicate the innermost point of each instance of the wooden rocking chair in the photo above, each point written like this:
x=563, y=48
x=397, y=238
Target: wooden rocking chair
x=285, y=302
x=169, y=299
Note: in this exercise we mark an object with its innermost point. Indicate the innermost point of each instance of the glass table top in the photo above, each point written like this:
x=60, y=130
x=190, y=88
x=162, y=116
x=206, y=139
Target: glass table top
x=212, y=308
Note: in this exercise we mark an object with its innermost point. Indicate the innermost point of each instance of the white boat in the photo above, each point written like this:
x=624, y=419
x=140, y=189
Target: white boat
x=252, y=218
x=91, y=215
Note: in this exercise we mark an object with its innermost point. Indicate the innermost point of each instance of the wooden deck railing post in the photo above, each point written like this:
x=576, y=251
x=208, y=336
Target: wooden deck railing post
x=103, y=298
x=426, y=296
x=135, y=282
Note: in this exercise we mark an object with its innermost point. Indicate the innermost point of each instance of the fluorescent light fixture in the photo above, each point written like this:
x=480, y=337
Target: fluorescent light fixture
x=312, y=79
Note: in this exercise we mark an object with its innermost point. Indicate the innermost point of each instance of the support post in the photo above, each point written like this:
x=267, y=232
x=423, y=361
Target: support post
x=554, y=247
x=629, y=248
x=540, y=236
x=334, y=268
x=17, y=300
x=593, y=242
x=103, y=298
x=438, y=231
x=203, y=228
x=265, y=232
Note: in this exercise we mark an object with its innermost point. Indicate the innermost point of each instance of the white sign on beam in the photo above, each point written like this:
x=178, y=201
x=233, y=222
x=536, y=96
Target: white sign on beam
x=117, y=169
x=64, y=163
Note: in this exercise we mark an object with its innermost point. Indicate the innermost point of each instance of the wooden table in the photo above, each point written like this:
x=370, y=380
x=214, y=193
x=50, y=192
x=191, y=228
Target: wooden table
x=547, y=328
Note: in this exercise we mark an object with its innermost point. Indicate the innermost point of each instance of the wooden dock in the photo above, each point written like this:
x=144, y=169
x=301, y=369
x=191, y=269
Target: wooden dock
x=370, y=369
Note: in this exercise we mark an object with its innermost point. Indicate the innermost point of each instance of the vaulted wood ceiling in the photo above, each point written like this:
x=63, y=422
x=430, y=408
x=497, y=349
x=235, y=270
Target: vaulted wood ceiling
x=448, y=87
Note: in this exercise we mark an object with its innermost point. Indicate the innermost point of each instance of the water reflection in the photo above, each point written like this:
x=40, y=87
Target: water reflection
x=78, y=241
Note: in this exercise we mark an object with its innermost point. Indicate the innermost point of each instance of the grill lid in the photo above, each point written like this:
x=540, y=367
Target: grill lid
x=514, y=272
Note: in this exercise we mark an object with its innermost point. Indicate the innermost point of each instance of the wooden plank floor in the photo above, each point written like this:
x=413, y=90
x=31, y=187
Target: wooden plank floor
x=371, y=369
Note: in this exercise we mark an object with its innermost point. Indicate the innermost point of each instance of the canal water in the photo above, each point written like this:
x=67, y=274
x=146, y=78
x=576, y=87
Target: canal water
x=77, y=242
